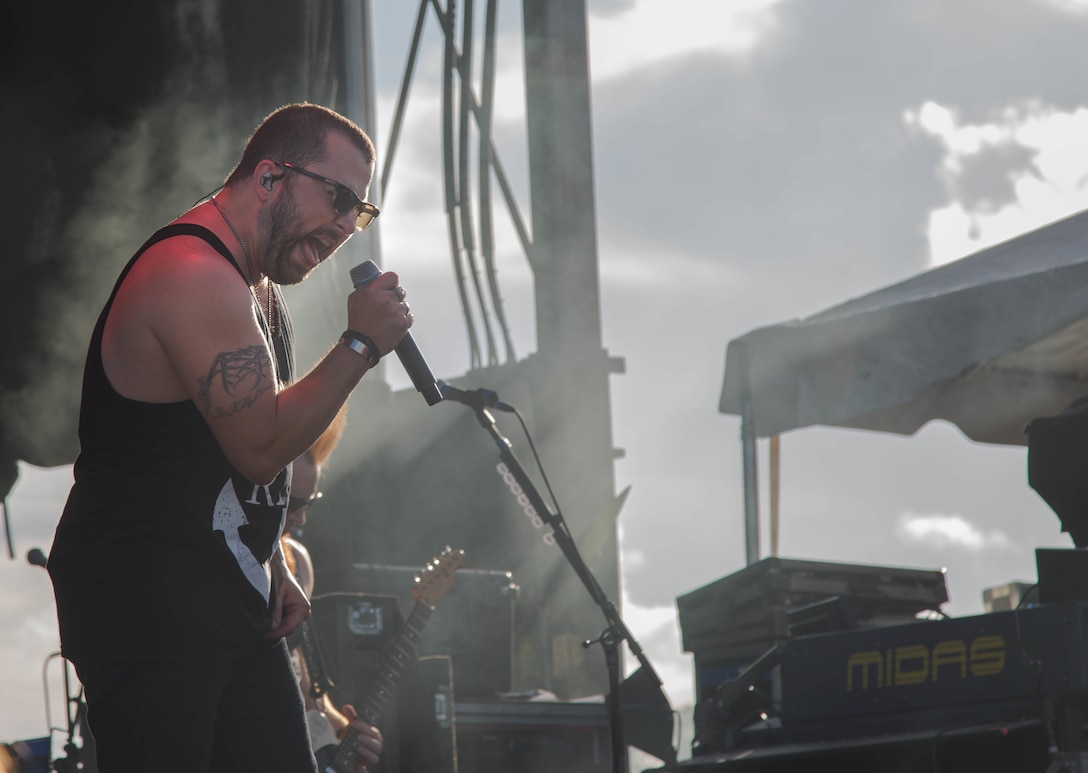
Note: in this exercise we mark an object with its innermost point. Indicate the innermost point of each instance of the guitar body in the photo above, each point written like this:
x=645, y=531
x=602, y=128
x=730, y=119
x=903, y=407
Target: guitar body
x=326, y=757
x=431, y=584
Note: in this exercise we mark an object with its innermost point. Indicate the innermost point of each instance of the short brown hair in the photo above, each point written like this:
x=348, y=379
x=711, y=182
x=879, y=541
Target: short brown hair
x=296, y=134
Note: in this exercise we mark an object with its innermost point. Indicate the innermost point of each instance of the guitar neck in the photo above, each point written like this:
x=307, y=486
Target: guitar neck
x=373, y=705
x=403, y=652
x=315, y=667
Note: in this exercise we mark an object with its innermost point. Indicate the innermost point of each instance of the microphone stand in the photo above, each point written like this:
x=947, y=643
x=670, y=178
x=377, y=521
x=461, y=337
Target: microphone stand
x=75, y=758
x=617, y=631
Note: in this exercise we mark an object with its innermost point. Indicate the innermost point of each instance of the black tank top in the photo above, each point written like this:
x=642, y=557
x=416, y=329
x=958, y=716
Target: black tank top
x=162, y=552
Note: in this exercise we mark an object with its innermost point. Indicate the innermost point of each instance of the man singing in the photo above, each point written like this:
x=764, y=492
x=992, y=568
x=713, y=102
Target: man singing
x=172, y=593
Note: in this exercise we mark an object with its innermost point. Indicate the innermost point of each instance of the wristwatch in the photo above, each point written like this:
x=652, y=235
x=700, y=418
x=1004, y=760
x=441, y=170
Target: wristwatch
x=362, y=345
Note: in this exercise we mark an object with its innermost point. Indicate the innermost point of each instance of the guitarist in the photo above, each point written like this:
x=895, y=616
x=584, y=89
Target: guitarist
x=326, y=724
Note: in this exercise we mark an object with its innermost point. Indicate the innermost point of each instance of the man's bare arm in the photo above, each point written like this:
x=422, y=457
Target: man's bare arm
x=184, y=326
x=242, y=376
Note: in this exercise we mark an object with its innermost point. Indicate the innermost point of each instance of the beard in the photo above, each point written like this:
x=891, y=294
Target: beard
x=280, y=238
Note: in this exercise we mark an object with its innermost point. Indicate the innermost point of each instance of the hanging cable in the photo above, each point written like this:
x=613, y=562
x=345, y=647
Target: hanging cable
x=448, y=154
x=402, y=96
x=7, y=529
x=465, y=177
x=456, y=195
x=484, y=119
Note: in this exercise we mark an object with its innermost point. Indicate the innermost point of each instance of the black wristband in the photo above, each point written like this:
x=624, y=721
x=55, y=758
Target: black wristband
x=352, y=339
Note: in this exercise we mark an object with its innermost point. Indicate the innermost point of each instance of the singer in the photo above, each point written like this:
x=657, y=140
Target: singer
x=173, y=597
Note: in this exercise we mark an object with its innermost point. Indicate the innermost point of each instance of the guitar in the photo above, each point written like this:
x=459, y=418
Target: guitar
x=431, y=585
x=320, y=683
x=305, y=639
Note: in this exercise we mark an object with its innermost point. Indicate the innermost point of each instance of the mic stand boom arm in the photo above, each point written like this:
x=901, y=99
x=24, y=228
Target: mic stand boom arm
x=617, y=631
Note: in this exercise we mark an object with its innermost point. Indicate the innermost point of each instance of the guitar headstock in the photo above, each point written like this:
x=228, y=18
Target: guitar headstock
x=437, y=577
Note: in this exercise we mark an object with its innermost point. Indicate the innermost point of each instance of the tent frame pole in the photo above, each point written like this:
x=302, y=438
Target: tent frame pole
x=748, y=454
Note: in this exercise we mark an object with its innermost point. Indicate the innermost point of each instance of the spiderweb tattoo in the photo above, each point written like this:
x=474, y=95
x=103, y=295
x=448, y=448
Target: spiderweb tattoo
x=243, y=375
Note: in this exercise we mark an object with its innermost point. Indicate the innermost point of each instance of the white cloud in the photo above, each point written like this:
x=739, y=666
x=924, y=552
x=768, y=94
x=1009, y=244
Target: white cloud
x=653, y=31
x=1055, y=186
x=648, y=620
x=655, y=630
x=959, y=140
x=940, y=531
x=1071, y=6
x=629, y=265
x=633, y=559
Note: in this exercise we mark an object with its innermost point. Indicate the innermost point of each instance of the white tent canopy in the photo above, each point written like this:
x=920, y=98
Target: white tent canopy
x=988, y=342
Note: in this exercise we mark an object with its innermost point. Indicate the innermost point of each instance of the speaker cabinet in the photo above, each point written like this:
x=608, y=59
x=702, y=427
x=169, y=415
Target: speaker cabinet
x=356, y=632
x=532, y=737
x=473, y=623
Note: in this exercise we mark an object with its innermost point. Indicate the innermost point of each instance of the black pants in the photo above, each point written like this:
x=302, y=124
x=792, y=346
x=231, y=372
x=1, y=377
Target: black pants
x=240, y=717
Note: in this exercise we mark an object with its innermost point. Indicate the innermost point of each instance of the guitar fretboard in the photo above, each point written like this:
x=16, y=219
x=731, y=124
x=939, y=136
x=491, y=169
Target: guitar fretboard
x=372, y=707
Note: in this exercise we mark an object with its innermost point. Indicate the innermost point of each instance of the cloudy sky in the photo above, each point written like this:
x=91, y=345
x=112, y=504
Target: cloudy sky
x=756, y=161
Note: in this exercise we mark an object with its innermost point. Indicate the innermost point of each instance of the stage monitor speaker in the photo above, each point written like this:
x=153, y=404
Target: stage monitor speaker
x=646, y=716
x=532, y=737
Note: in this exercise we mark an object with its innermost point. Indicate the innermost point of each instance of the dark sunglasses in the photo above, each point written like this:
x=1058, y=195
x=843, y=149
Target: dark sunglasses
x=345, y=199
x=299, y=503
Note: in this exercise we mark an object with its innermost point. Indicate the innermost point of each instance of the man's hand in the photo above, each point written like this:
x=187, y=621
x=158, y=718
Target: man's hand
x=379, y=312
x=368, y=740
x=291, y=605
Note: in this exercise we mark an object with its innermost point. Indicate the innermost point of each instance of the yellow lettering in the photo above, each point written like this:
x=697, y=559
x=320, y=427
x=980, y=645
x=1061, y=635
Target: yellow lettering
x=987, y=655
x=907, y=655
x=864, y=661
x=949, y=653
x=916, y=663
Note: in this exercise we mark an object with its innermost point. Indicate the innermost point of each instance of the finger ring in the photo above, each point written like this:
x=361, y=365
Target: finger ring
x=399, y=291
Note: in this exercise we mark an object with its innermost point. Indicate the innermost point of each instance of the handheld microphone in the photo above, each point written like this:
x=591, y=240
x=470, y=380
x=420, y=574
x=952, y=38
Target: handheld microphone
x=35, y=557
x=410, y=357
x=474, y=398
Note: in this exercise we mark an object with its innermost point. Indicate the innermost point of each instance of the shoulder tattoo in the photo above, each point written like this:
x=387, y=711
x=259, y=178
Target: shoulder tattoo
x=235, y=381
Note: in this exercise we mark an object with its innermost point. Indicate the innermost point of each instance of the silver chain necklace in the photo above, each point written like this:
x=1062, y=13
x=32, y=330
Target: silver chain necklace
x=249, y=267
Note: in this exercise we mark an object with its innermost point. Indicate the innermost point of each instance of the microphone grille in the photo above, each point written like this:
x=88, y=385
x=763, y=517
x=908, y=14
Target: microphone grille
x=364, y=273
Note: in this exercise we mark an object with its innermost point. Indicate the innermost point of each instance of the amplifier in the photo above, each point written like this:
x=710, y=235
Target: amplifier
x=532, y=737
x=354, y=633
x=473, y=622
x=751, y=607
x=934, y=673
